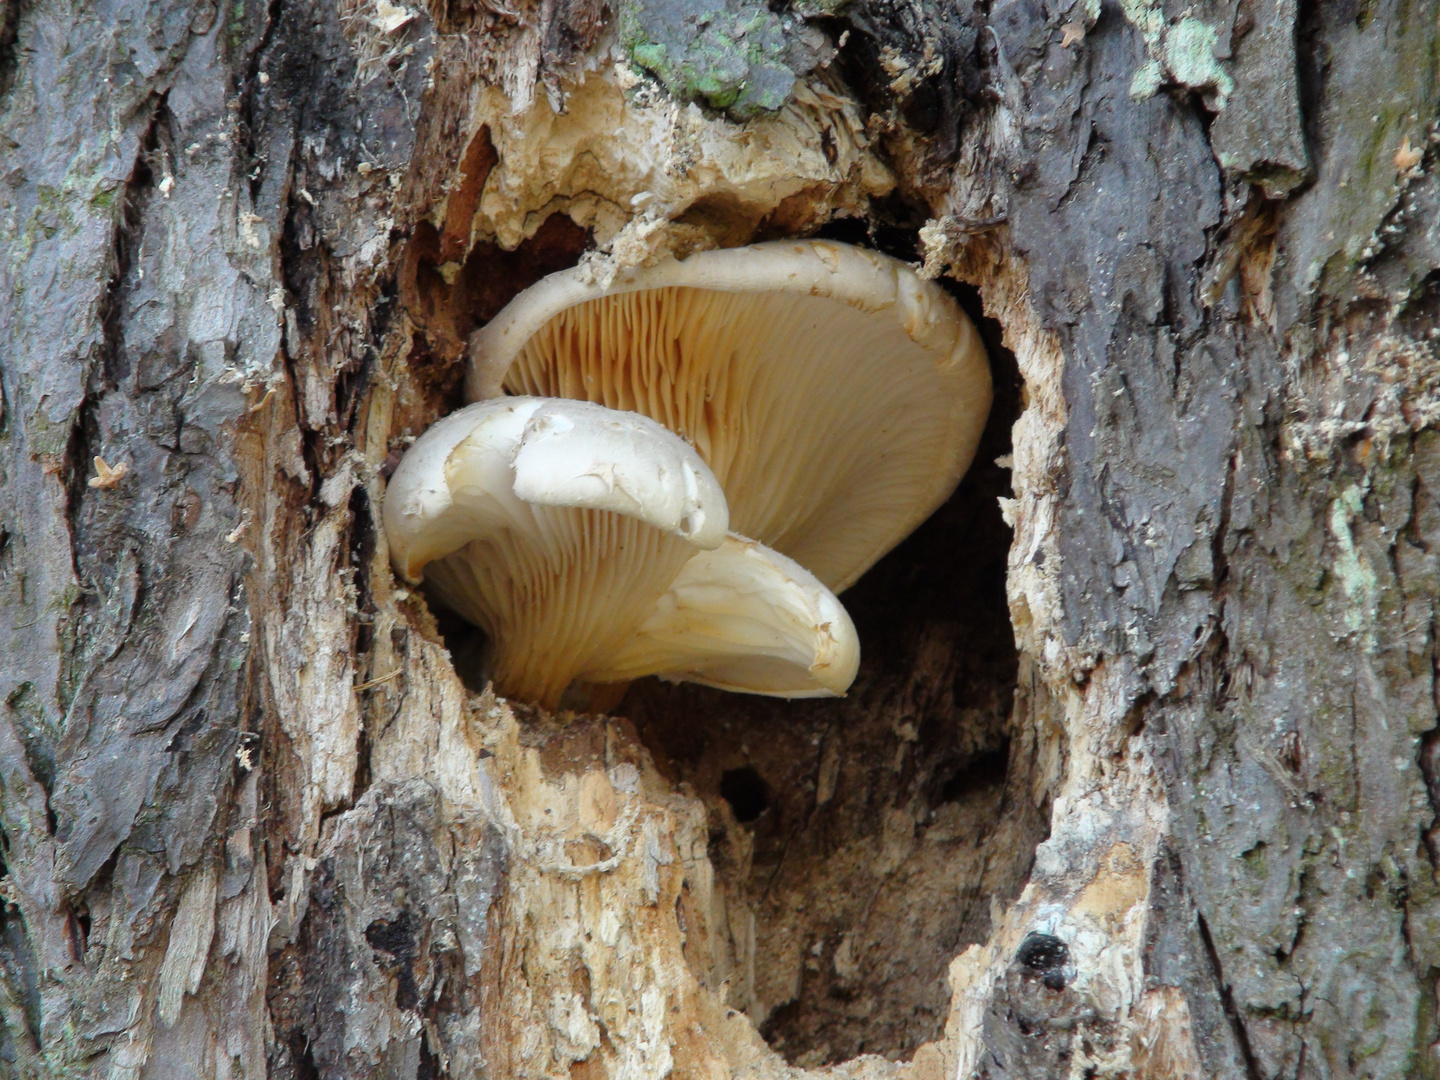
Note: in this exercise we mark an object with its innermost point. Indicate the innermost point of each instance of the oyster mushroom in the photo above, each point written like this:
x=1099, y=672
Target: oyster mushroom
x=592, y=545
x=836, y=396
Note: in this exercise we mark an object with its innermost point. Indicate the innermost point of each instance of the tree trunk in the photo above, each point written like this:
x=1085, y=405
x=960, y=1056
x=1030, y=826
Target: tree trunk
x=1139, y=775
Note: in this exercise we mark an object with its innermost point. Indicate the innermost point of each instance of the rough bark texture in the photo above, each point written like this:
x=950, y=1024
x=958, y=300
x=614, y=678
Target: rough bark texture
x=1140, y=781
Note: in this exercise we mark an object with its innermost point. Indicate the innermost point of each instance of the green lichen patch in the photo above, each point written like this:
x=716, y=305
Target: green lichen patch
x=1185, y=52
x=1357, y=577
x=729, y=56
x=810, y=9
x=1147, y=80
x=1190, y=47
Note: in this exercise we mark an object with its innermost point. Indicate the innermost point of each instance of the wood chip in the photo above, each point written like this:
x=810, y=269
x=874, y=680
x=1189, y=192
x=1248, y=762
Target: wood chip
x=1407, y=157
x=106, y=477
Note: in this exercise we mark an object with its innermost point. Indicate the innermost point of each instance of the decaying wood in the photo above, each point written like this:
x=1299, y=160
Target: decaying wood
x=1139, y=782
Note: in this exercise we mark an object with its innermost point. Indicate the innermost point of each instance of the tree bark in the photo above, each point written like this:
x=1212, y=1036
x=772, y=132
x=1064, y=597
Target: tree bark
x=1139, y=777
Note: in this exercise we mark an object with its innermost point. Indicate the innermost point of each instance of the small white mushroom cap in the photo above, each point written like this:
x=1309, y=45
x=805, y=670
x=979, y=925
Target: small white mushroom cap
x=475, y=467
x=565, y=528
x=836, y=395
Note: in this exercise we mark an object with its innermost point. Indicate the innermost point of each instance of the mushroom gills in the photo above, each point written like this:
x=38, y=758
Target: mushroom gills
x=837, y=397
x=557, y=608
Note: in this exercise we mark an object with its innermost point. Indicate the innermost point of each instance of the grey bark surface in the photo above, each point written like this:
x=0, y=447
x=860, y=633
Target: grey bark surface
x=1146, y=789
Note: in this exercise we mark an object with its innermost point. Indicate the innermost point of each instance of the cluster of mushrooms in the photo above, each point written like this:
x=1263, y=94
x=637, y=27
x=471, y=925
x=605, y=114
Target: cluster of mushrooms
x=675, y=475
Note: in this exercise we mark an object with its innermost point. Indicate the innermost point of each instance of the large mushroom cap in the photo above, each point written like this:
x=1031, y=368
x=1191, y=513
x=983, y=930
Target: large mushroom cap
x=837, y=397
x=592, y=544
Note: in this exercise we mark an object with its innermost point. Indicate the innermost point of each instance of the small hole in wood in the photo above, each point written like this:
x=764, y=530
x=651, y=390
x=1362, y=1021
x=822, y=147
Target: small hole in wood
x=746, y=792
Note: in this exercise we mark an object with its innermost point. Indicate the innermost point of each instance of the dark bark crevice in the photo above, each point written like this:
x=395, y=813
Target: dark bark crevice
x=11, y=11
x=113, y=366
x=1237, y=1023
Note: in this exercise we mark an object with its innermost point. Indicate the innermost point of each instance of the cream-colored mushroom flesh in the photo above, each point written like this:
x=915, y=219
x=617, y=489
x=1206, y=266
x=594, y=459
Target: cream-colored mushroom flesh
x=566, y=530
x=836, y=396
x=744, y=617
